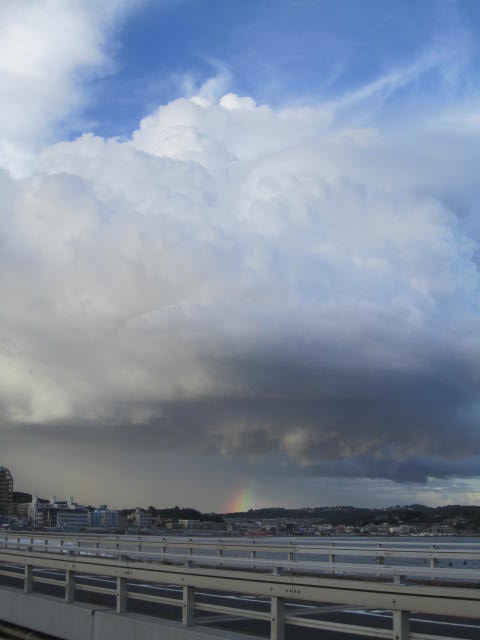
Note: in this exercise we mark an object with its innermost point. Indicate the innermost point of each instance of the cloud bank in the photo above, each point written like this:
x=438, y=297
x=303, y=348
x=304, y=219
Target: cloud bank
x=251, y=282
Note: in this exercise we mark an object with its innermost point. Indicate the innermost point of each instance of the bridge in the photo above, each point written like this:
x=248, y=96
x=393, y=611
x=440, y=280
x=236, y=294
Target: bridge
x=217, y=586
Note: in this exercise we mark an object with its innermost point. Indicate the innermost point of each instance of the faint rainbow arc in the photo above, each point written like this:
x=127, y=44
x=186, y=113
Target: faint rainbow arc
x=240, y=501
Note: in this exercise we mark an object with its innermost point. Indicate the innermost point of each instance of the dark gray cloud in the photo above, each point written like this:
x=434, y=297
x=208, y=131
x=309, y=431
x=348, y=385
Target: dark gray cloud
x=313, y=420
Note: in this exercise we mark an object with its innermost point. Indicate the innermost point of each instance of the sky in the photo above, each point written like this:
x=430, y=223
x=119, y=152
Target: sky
x=240, y=251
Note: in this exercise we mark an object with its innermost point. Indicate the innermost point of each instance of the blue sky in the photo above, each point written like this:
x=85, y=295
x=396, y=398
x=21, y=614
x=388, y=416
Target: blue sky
x=241, y=239
x=281, y=52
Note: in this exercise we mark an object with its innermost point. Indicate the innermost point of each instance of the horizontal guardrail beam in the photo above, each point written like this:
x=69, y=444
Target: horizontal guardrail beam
x=361, y=547
x=374, y=540
x=463, y=551
x=339, y=627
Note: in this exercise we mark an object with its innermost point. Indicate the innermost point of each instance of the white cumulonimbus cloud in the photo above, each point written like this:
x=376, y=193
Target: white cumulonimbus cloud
x=248, y=280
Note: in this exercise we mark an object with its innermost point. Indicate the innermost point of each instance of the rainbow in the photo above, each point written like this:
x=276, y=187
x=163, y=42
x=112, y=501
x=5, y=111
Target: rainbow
x=240, y=501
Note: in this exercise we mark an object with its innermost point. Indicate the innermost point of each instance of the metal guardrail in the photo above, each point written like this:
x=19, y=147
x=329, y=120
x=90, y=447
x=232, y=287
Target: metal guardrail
x=366, y=548
x=391, y=571
x=398, y=596
x=381, y=553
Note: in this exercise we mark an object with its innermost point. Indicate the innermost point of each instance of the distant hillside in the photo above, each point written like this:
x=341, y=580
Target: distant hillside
x=352, y=516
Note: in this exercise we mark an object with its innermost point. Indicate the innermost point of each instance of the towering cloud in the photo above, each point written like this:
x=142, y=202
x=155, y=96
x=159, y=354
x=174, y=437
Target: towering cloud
x=246, y=280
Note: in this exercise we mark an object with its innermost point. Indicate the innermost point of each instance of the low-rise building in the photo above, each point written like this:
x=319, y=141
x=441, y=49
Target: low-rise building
x=58, y=515
x=142, y=519
x=106, y=518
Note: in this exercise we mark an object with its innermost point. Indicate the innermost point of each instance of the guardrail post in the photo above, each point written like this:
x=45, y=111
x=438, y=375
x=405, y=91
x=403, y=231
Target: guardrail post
x=188, y=606
x=28, y=582
x=69, y=585
x=121, y=604
x=331, y=555
x=401, y=627
x=433, y=561
x=277, y=619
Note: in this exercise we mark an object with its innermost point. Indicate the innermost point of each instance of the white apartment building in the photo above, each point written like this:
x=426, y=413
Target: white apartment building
x=59, y=515
x=142, y=519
